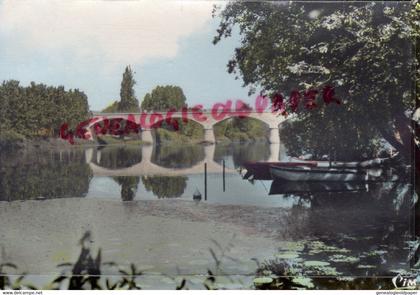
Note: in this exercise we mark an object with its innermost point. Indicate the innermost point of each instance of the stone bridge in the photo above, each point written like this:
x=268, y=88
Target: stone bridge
x=272, y=121
x=146, y=167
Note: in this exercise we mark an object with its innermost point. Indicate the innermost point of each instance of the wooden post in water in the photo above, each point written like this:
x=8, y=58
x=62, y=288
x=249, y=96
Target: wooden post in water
x=224, y=182
x=205, y=181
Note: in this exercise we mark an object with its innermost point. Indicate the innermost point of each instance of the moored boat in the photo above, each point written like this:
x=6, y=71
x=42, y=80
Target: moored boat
x=281, y=186
x=337, y=164
x=261, y=170
x=303, y=173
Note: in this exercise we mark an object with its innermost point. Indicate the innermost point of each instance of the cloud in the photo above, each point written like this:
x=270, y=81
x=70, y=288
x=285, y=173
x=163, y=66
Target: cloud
x=121, y=32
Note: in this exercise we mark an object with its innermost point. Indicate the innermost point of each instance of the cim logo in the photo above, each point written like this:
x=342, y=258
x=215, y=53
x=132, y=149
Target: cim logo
x=400, y=281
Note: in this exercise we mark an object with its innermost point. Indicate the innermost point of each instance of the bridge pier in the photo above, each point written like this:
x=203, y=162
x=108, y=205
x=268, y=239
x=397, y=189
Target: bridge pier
x=209, y=151
x=88, y=155
x=98, y=156
x=147, y=136
x=274, y=135
x=209, y=135
x=274, y=152
x=90, y=134
x=146, y=154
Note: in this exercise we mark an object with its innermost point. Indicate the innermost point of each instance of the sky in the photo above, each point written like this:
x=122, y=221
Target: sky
x=87, y=44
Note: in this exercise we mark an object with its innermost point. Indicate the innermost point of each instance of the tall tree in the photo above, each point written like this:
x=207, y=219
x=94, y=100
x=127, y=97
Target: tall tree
x=128, y=102
x=163, y=98
x=362, y=49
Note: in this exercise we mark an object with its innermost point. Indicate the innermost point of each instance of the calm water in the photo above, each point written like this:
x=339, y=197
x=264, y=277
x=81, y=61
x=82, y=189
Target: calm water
x=360, y=230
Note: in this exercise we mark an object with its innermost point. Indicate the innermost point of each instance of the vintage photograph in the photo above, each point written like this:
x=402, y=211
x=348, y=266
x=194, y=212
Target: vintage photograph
x=203, y=145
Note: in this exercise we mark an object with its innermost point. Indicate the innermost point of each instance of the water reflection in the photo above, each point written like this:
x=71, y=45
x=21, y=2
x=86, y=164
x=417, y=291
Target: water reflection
x=177, y=156
x=165, y=186
x=323, y=228
x=237, y=154
x=128, y=185
x=117, y=157
x=43, y=175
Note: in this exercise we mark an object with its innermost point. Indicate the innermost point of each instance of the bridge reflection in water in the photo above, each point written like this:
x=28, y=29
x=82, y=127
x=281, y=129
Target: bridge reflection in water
x=147, y=167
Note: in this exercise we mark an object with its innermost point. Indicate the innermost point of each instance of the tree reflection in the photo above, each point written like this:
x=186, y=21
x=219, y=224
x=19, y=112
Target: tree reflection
x=165, y=186
x=129, y=185
x=181, y=156
x=118, y=157
x=242, y=153
x=43, y=175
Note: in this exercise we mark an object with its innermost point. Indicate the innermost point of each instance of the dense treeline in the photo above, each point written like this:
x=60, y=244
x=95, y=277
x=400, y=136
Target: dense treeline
x=38, y=109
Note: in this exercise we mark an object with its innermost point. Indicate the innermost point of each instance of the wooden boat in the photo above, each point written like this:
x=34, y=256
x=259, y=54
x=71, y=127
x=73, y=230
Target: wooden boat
x=337, y=164
x=280, y=187
x=261, y=170
x=303, y=173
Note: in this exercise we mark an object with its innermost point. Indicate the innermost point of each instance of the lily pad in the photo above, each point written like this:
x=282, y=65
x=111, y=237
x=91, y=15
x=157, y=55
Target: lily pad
x=315, y=263
x=287, y=255
x=263, y=281
x=343, y=258
x=366, y=266
x=292, y=246
x=319, y=247
x=303, y=281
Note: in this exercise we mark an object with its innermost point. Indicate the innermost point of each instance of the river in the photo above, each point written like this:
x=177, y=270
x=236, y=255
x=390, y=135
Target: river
x=137, y=203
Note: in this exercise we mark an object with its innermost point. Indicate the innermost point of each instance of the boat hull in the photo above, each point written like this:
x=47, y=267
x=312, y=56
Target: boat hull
x=279, y=187
x=261, y=170
x=297, y=174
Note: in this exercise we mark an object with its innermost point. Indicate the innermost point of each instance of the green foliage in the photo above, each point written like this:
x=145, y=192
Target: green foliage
x=187, y=132
x=39, y=110
x=241, y=130
x=336, y=128
x=10, y=140
x=128, y=101
x=112, y=108
x=363, y=49
x=164, y=98
x=165, y=186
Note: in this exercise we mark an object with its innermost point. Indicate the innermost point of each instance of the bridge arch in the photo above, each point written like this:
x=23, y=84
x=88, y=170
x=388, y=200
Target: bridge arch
x=177, y=124
x=117, y=157
x=103, y=124
x=239, y=122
